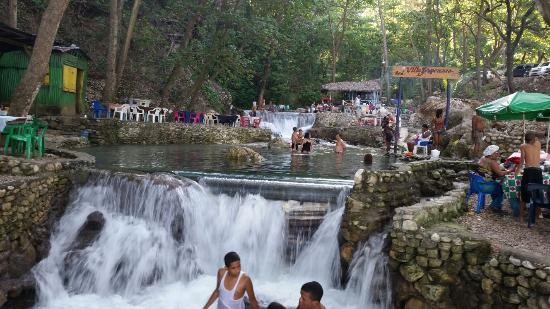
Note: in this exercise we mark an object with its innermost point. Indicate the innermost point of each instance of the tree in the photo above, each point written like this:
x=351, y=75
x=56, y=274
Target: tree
x=385, y=61
x=26, y=91
x=337, y=34
x=544, y=9
x=12, y=13
x=517, y=20
x=128, y=40
x=111, y=79
x=178, y=68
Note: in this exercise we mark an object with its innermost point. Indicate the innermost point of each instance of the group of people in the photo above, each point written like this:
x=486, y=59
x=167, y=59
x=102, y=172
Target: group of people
x=300, y=139
x=304, y=140
x=491, y=170
x=232, y=284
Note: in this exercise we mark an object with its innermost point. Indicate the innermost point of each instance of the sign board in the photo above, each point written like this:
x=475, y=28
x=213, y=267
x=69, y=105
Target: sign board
x=426, y=72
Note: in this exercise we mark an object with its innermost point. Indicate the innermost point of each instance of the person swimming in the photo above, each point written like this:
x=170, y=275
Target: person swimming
x=310, y=296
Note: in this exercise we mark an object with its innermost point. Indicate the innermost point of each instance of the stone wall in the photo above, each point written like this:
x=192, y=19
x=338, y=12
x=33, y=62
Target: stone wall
x=33, y=195
x=376, y=194
x=111, y=131
x=438, y=264
x=508, y=143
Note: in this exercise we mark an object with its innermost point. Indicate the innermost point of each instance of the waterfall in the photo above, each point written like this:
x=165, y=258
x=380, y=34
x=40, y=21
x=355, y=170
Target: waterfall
x=164, y=238
x=369, y=275
x=281, y=123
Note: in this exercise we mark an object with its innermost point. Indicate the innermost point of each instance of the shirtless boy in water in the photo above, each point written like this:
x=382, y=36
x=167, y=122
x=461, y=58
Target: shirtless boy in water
x=231, y=286
x=310, y=296
x=530, y=159
x=340, y=145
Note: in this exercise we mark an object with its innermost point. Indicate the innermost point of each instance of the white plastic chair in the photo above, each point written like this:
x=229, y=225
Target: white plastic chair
x=154, y=115
x=136, y=112
x=122, y=111
x=210, y=118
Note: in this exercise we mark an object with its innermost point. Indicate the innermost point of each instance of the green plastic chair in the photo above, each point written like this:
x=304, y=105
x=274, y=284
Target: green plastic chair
x=24, y=137
x=38, y=138
x=10, y=130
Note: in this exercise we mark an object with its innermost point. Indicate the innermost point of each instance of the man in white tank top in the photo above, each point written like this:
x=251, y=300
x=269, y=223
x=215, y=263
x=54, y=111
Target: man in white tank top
x=232, y=285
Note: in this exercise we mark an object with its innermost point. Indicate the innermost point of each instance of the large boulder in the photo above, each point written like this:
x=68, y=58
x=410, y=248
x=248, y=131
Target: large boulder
x=90, y=230
x=240, y=153
x=277, y=143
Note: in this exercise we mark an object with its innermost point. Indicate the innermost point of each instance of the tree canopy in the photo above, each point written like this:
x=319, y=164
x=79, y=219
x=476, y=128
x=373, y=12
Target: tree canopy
x=284, y=51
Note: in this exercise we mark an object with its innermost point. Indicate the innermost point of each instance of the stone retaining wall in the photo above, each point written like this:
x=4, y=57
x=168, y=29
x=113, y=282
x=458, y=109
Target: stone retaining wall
x=507, y=143
x=111, y=131
x=377, y=193
x=33, y=195
x=438, y=264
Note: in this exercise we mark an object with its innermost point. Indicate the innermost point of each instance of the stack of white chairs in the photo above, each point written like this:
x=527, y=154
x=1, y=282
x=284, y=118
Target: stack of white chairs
x=122, y=111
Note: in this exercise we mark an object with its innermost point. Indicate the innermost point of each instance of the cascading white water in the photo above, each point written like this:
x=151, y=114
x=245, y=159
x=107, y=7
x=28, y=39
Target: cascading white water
x=369, y=275
x=281, y=123
x=163, y=240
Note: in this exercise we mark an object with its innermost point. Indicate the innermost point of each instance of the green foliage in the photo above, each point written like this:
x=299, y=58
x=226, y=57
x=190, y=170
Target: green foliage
x=234, y=42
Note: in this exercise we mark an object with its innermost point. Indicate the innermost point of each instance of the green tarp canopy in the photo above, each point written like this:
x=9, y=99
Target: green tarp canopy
x=517, y=106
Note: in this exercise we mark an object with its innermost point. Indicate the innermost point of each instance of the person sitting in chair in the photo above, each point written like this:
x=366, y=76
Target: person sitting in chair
x=489, y=169
x=421, y=139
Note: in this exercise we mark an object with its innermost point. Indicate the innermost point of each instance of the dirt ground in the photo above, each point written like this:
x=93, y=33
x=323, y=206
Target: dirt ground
x=506, y=230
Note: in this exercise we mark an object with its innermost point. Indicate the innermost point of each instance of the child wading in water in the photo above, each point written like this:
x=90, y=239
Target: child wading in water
x=340, y=145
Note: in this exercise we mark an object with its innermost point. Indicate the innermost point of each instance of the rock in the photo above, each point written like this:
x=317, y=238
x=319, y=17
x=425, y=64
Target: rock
x=543, y=302
x=524, y=282
x=509, y=281
x=435, y=237
x=514, y=261
x=21, y=261
x=89, y=231
x=493, y=262
x=434, y=293
x=511, y=298
x=415, y=303
x=409, y=225
x=277, y=143
x=543, y=288
x=487, y=285
x=528, y=265
x=541, y=274
x=240, y=153
x=411, y=272
x=4, y=298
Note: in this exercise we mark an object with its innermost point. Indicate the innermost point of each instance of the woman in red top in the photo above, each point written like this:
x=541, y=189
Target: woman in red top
x=438, y=127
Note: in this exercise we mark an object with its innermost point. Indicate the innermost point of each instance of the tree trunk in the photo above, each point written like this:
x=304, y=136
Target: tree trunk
x=178, y=70
x=128, y=40
x=465, y=55
x=110, y=80
x=540, y=56
x=544, y=9
x=26, y=91
x=478, y=52
x=509, y=67
x=194, y=91
x=12, y=13
x=265, y=75
x=385, y=61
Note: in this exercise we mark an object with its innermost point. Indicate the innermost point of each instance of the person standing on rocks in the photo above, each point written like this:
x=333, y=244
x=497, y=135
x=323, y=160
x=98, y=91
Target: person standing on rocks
x=478, y=130
x=232, y=285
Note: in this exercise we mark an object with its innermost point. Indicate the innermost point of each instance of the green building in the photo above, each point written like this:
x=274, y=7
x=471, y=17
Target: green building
x=64, y=87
